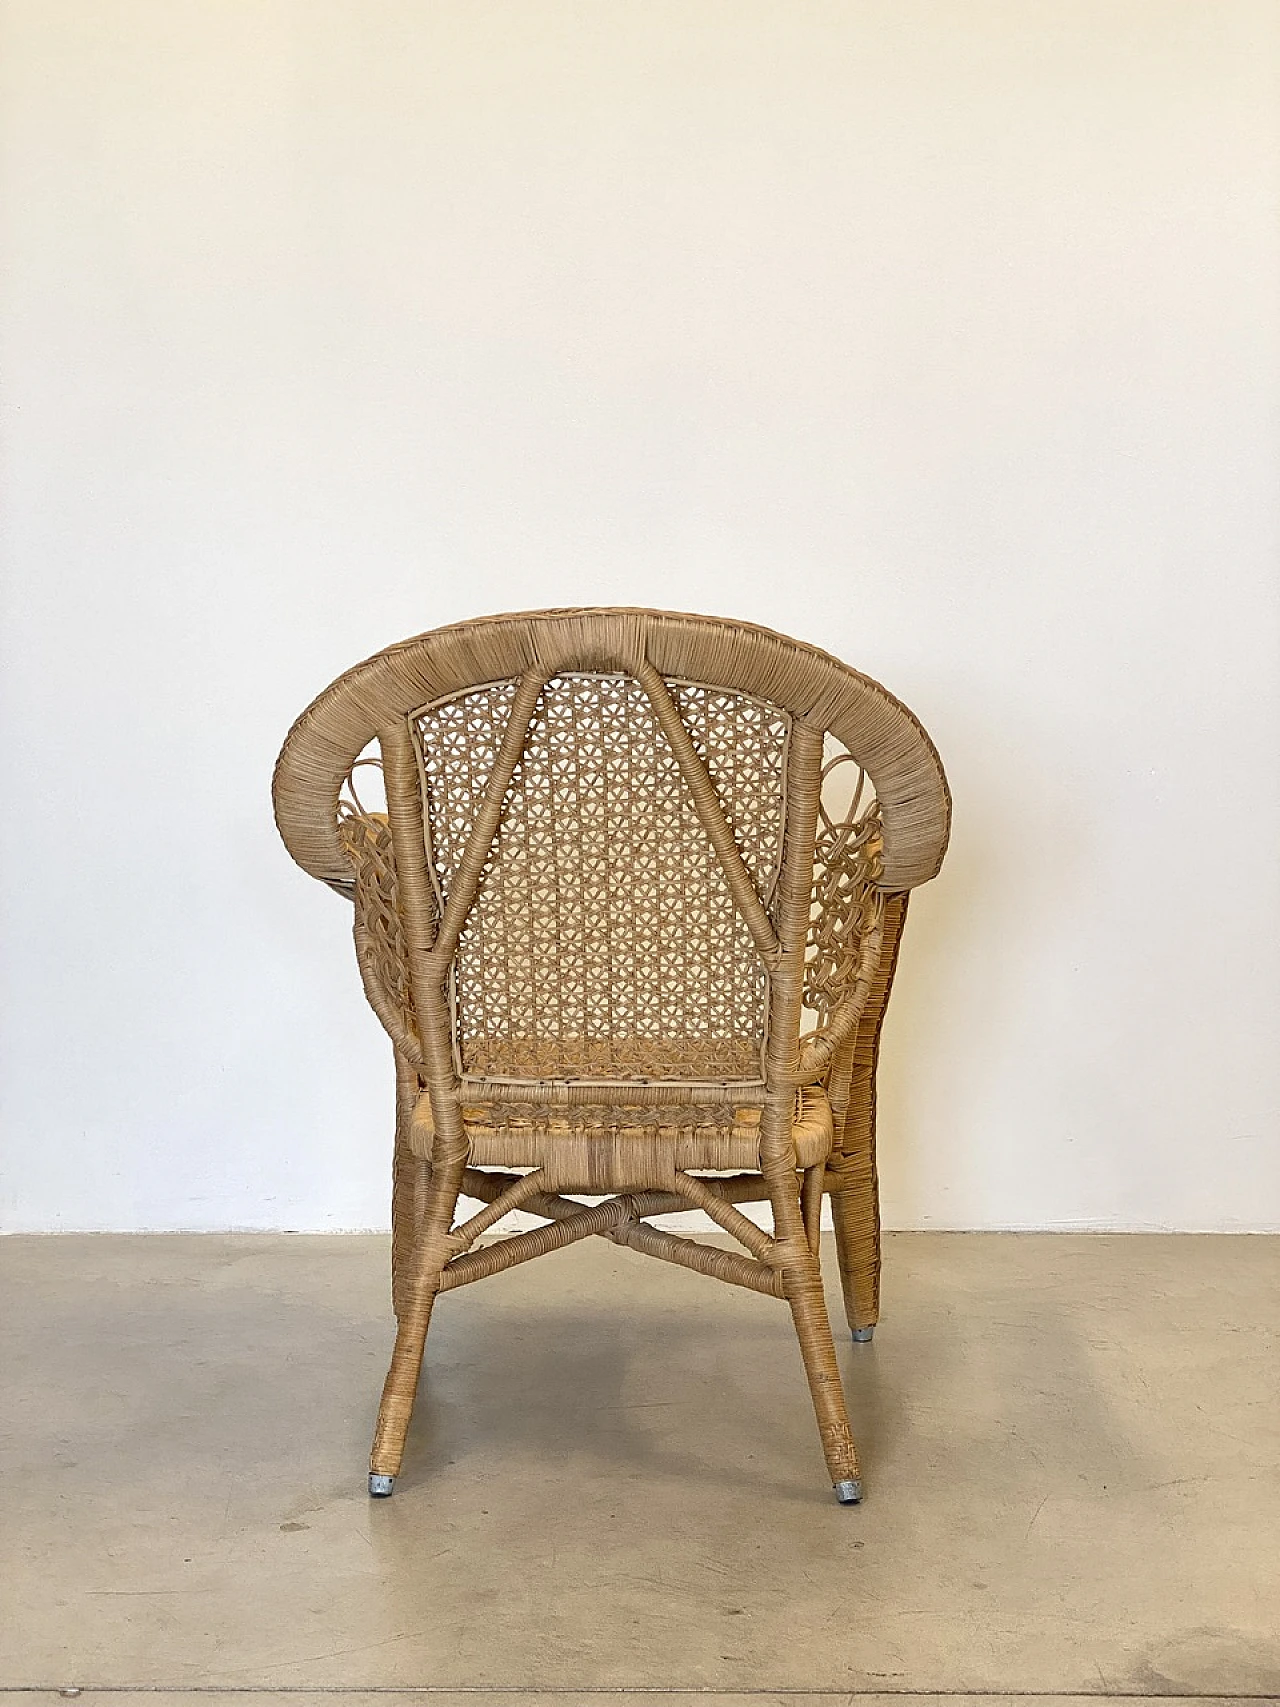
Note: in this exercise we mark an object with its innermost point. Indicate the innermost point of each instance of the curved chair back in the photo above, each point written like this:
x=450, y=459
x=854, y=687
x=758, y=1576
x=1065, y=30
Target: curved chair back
x=603, y=825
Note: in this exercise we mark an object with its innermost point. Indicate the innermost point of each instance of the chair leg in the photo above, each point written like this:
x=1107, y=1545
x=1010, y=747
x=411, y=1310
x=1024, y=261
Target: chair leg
x=417, y=1285
x=399, y=1392
x=411, y=1179
x=811, y=1189
x=802, y=1283
x=855, y=1201
x=855, y=1215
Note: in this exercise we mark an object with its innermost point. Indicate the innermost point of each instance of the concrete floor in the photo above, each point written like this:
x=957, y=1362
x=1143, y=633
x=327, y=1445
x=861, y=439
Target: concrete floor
x=1071, y=1448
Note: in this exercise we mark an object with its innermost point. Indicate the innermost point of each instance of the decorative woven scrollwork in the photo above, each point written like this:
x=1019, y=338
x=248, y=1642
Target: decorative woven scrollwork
x=846, y=923
x=381, y=949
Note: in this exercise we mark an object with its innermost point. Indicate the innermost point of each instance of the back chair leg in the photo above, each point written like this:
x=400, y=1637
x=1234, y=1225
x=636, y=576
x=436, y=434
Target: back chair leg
x=855, y=1215
x=855, y=1203
x=802, y=1283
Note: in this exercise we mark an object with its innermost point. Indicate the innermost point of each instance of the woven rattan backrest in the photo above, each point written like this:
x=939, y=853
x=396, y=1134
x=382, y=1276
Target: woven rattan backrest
x=604, y=940
x=575, y=798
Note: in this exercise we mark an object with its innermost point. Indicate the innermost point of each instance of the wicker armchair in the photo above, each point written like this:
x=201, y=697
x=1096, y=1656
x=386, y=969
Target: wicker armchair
x=630, y=919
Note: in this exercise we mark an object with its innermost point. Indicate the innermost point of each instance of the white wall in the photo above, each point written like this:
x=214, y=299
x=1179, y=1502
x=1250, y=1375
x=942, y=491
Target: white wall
x=941, y=332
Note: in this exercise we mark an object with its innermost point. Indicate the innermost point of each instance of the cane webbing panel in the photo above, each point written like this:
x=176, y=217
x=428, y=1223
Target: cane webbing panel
x=604, y=941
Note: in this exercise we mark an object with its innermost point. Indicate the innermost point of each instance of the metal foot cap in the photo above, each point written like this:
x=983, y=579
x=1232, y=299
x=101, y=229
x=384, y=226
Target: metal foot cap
x=848, y=1493
x=864, y=1336
x=380, y=1486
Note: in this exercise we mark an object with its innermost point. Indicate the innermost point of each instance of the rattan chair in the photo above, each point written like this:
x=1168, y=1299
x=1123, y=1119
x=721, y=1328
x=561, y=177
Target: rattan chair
x=630, y=918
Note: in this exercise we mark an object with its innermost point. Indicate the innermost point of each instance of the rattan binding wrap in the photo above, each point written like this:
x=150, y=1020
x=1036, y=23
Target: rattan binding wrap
x=624, y=943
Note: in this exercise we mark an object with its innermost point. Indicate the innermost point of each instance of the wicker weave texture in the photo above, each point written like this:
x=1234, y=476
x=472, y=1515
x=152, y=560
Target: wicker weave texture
x=604, y=941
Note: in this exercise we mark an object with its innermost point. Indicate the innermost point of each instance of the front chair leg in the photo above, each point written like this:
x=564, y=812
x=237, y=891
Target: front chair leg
x=417, y=1293
x=411, y=1182
x=400, y=1390
x=802, y=1285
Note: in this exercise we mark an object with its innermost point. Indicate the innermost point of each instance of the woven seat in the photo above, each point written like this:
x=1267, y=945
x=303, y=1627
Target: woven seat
x=616, y=1141
x=630, y=918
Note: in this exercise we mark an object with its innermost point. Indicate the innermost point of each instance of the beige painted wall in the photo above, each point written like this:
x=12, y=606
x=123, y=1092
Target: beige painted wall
x=941, y=332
